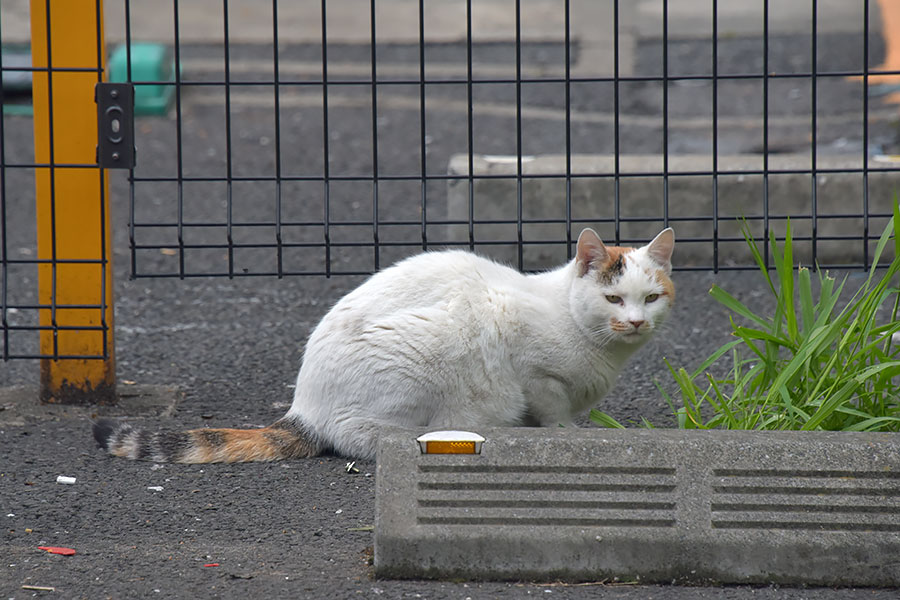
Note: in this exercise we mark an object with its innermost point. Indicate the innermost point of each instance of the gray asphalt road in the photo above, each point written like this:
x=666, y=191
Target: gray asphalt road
x=291, y=529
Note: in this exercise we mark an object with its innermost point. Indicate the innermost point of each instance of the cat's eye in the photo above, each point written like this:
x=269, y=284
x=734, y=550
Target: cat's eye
x=614, y=299
x=651, y=298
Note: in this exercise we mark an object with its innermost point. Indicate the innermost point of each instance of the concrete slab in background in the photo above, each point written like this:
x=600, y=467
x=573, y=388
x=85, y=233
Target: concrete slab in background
x=815, y=508
x=592, y=22
x=693, y=18
x=691, y=204
x=252, y=20
x=348, y=22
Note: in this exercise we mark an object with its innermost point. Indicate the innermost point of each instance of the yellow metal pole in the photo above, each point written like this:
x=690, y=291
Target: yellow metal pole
x=73, y=222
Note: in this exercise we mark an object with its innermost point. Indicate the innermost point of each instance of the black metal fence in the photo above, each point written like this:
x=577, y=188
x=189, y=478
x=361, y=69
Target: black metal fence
x=322, y=138
x=696, y=130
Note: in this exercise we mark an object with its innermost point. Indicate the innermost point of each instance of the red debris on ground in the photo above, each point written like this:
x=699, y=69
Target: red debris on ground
x=58, y=550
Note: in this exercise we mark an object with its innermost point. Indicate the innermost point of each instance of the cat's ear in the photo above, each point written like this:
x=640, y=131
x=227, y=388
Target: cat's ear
x=590, y=252
x=660, y=249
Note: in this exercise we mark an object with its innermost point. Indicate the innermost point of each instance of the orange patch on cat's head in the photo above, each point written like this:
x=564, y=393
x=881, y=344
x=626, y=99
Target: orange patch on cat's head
x=666, y=282
x=612, y=268
x=593, y=255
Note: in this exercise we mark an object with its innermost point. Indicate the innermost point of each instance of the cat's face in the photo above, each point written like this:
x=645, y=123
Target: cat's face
x=622, y=294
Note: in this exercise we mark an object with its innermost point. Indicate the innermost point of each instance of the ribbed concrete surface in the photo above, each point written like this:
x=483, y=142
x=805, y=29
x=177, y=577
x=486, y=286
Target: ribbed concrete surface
x=663, y=505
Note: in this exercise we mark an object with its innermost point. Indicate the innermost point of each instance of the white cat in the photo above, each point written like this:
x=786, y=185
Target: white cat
x=449, y=340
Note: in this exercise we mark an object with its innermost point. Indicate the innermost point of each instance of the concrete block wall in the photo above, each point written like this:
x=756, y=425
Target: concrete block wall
x=691, y=205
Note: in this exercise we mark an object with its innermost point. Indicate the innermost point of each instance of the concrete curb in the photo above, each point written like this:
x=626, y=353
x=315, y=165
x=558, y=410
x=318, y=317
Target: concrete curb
x=20, y=404
x=839, y=204
x=815, y=508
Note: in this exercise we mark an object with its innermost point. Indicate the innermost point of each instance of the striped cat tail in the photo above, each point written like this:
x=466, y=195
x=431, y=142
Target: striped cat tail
x=284, y=439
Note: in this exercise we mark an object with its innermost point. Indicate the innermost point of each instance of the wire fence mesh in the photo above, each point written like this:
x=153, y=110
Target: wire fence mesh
x=53, y=198
x=317, y=138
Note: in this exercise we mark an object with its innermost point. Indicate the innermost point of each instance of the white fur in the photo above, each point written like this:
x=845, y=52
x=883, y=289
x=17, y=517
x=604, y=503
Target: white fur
x=450, y=339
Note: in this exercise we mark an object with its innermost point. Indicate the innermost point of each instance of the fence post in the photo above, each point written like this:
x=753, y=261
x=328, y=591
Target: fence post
x=75, y=284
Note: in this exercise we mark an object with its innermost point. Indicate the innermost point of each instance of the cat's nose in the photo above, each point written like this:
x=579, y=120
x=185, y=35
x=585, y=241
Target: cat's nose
x=636, y=324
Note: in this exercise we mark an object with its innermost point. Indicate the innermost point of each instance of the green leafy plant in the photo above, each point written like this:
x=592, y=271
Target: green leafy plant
x=810, y=366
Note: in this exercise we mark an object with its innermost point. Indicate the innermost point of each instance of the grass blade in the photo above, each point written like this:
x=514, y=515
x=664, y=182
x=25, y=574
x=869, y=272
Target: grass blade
x=604, y=420
x=785, y=271
x=757, y=255
x=807, y=308
x=735, y=305
x=712, y=358
x=876, y=424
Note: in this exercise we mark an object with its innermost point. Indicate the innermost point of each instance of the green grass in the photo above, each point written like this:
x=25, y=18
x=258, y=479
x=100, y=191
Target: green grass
x=809, y=366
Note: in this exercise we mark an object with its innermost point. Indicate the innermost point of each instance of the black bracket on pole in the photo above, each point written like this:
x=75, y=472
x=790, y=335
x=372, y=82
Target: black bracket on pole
x=115, y=125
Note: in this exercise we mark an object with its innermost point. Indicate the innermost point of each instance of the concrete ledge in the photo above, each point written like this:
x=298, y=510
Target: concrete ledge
x=653, y=506
x=692, y=203
x=21, y=403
